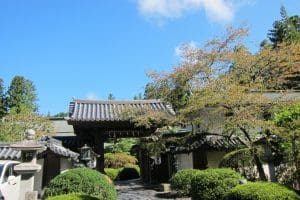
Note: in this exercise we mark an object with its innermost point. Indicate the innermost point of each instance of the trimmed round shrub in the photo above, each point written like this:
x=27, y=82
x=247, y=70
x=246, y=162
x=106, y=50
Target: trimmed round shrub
x=81, y=180
x=181, y=181
x=213, y=184
x=261, y=191
x=129, y=172
x=118, y=160
x=74, y=196
x=112, y=173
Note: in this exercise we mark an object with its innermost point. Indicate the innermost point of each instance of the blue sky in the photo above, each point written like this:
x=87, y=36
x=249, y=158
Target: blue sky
x=90, y=48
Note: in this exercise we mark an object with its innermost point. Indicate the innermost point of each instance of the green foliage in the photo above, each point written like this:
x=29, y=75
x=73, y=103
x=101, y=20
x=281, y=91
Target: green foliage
x=22, y=95
x=82, y=180
x=73, y=196
x=213, y=184
x=118, y=160
x=129, y=172
x=14, y=125
x=181, y=181
x=288, y=128
x=112, y=173
x=261, y=191
x=287, y=29
x=122, y=145
x=287, y=116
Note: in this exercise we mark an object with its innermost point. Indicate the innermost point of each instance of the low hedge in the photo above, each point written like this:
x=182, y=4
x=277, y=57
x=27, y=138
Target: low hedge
x=73, y=196
x=261, y=191
x=181, y=181
x=213, y=184
x=81, y=180
x=118, y=160
x=129, y=172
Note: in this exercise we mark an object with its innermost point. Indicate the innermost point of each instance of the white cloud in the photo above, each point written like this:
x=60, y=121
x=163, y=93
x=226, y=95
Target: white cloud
x=91, y=96
x=221, y=11
x=179, y=49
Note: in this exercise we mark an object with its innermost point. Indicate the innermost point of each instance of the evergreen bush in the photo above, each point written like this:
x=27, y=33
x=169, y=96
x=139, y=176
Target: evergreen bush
x=81, y=180
x=261, y=191
x=129, y=172
x=213, y=184
x=181, y=181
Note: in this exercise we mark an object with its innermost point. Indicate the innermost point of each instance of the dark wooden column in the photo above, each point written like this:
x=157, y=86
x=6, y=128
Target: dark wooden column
x=99, y=149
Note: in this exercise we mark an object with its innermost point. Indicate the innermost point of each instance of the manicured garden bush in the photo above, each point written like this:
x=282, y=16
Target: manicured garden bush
x=261, y=191
x=181, y=181
x=129, y=172
x=112, y=173
x=118, y=160
x=81, y=180
x=213, y=184
x=73, y=196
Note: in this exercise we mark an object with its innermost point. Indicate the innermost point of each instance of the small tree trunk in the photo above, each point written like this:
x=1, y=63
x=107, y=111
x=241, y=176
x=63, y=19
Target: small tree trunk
x=260, y=169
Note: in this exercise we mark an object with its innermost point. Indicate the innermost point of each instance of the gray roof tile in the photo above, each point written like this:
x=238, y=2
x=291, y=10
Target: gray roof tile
x=111, y=110
x=7, y=153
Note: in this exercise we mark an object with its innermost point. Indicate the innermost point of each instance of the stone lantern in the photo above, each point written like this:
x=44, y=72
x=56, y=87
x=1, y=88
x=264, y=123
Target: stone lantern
x=28, y=167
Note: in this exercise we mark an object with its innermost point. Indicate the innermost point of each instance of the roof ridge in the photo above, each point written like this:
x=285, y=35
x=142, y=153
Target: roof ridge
x=118, y=101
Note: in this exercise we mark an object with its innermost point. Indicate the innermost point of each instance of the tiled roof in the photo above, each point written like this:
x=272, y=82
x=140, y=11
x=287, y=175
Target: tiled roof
x=110, y=110
x=7, y=153
x=214, y=142
x=56, y=147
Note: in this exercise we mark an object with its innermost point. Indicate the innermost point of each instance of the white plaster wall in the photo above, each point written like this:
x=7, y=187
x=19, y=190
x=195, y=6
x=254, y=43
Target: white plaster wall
x=38, y=177
x=185, y=161
x=65, y=164
x=214, y=158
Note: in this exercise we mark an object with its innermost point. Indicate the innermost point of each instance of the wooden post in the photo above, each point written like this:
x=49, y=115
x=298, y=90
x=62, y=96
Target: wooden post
x=99, y=139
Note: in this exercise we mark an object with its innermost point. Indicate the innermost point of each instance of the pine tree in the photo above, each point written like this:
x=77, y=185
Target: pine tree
x=110, y=96
x=22, y=95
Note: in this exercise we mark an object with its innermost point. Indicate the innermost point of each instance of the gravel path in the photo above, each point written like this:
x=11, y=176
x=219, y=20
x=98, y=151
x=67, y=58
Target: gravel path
x=135, y=190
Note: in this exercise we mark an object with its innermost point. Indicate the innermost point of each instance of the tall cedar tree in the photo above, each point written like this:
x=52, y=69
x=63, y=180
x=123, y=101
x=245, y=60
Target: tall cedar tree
x=22, y=95
x=3, y=109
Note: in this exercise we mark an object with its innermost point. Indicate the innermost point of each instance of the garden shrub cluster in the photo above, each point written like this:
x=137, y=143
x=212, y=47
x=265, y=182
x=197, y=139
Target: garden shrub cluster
x=81, y=180
x=261, y=191
x=213, y=184
x=129, y=172
x=73, y=196
x=118, y=160
x=181, y=181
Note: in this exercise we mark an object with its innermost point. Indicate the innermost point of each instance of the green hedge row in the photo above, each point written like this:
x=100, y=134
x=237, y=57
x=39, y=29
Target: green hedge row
x=81, y=180
x=213, y=184
x=261, y=191
x=223, y=184
x=73, y=196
